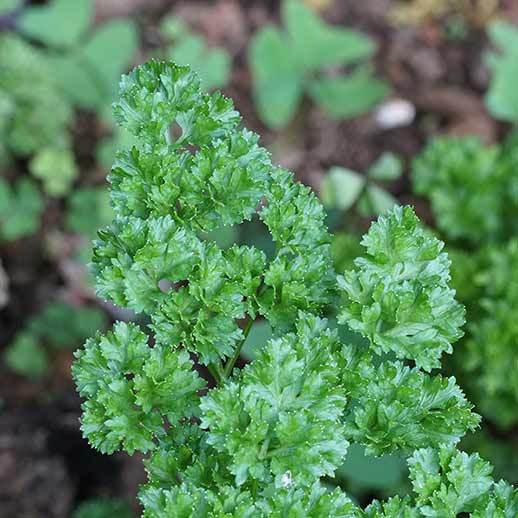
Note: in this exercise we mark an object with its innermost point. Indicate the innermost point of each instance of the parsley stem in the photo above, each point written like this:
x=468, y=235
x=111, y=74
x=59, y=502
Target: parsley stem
x=231, y=362
x=215, y=372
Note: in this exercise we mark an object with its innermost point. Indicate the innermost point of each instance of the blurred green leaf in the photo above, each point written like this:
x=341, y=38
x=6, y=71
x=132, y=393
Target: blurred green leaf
x=504, y=35
x=88, y=210
x=33, y=112
x=388, y=167
x=277, y=81
x=56, y=168
x=287, y=63
x=317, y=44
x=90, y=74
x=372, y=472
x=348, y=96
x=345, y=248
x=26, y=357
x=20, y=209
x=502, y=95
x=376, y=201
x=60, y=23
x=8, y=5
x=103, y=508
x=108, y=147
x=109, y=52
x=224, y=237
x=212, y=65
x=63, y=325
x=259, y=334
x=341, y=188
x=173, y=27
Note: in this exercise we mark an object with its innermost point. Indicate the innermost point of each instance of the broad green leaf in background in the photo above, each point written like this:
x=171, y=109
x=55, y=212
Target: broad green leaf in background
x=287, y=63
x=103, y=508
x=62, y=325
x=89, y=74
x=224, y=237
x=88, y=210
x=341, y=188
x=502, y=95
x=109, y=52
x=348, y=96
x=504, y=35
x=376, y=201
x=317, y=44
x=20, y=209
x=388, y=167
x=107, y=149
x=213, y=65
x=8, y=5
x=259, y=334
x=61, y=23
x=369, y=472
x=26, y=357
x=277, y=82
x=56, y=168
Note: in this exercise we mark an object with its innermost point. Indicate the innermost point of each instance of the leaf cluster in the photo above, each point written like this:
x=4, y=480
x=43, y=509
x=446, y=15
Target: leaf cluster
x=288, y=63
x=29, y=92
x=258, y=441
x=472, y=188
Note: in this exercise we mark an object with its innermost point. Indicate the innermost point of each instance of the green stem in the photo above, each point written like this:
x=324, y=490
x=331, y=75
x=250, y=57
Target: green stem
x=215, y=372
x=231, y=362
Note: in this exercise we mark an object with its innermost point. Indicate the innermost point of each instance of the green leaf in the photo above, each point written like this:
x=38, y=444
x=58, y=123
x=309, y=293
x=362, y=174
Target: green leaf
x=398, y=297
x=396, y=408
x=502, y=97
x=103, y=508
x=379, y=200
x=388, y=167
x=26, y=357
x=29, y=92
x=109, y=52
x=259, y=335
x=368, y=472
x=277, y=80
x=341, y=188
x=62, y=325
x=449, y=482
x=56, y=168
x=89, y=74
x=20, y=209
x=125, y=379
x=59, y=24
x=316, y=44
x=212, y=65
x=504, y=35
x=303, y=414
x=469, y=186
x=348, y=96
x=88, y=210
x=7, y=6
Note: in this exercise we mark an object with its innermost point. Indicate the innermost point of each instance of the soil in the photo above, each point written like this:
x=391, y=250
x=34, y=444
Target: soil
x=46, y=468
